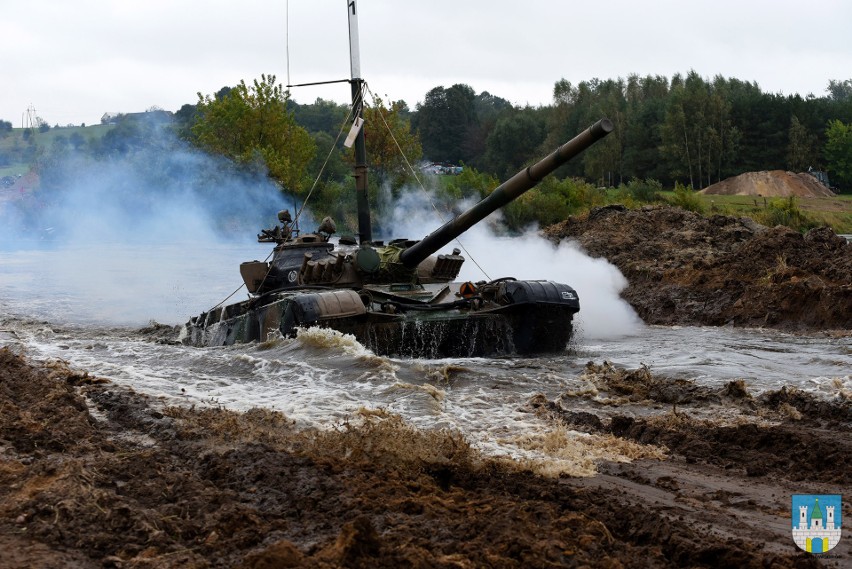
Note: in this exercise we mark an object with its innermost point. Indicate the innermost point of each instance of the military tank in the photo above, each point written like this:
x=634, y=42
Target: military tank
x=398, y=298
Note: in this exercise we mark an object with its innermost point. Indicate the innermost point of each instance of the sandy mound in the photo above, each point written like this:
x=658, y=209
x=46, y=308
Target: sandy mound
x=776, y=183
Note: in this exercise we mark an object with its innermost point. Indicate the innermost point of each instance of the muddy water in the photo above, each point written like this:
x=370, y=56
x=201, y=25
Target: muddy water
x=89, y=310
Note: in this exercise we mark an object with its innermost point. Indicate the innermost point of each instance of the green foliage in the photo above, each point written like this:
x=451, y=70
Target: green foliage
x=840, y=90
x=390, y=142
x=447, y=124
x=537, y=206
x=838, y=152
x=471, y=183
x=686, y=198
x=645, y=191
x=801, y=149
x=698, y=135
x=514, y=140
x=336, y=167
x=252, y=126
x=336, y=199
x=785, y=211
x=578, y=194
x=553, y=200
x=320, y=116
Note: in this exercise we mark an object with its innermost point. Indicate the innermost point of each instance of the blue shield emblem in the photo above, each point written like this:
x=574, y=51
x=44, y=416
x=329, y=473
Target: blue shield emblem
x=816, y=521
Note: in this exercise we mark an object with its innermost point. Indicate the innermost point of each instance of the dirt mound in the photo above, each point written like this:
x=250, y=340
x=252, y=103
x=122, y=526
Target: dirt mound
x=93, y=475
x=684, y=268
x=774, y=183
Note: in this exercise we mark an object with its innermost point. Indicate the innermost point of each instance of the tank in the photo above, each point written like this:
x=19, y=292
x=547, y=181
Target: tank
x=399, y=299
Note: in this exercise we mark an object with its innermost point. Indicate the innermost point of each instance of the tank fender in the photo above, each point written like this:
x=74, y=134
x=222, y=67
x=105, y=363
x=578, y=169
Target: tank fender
x=311, y=308
x=538, y=292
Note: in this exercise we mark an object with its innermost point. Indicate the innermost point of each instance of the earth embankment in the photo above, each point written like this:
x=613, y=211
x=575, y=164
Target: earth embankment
x=684, y=268
x=772, y=183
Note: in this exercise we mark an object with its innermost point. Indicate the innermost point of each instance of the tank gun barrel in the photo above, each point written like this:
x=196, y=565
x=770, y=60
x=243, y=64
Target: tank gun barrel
x=506, y=192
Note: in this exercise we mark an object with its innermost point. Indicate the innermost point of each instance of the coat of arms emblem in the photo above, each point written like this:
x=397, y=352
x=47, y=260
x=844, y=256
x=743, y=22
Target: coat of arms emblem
x=816, y=521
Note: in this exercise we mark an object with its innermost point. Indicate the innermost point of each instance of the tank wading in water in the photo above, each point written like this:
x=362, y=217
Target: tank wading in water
x=398, y=298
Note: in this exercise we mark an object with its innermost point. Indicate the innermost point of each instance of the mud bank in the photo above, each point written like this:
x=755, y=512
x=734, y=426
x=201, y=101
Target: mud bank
x=683, y=268
x=94, y=475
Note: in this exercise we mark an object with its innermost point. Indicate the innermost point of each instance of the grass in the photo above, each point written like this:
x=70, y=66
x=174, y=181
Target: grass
x=836, y=212
x=17, y=147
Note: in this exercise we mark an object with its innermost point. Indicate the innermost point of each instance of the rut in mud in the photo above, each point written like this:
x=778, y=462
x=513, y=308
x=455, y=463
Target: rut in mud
x=94, y=475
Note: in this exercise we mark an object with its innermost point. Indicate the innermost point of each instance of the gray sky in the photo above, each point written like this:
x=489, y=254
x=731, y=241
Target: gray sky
x=74, y=60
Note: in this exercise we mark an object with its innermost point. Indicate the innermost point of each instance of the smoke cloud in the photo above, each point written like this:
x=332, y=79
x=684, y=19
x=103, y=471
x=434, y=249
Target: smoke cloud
x=603, y=313
x=134, y=234
x=158, y=233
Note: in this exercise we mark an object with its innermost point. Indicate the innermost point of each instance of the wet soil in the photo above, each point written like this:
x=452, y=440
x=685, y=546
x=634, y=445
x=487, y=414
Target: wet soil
x=95, y=475
x=684, y=268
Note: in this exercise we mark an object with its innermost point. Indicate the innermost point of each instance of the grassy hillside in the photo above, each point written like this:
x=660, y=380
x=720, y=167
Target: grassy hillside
x=836, y=212
x=17, y=151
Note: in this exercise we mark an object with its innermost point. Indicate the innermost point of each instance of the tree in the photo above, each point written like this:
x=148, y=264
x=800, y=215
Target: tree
x=252, y=126
x=446, y=122
x=838, y=152
x=840, y=90
x=5, y=128
x=515, y=140
x=320, y=116
x=390, y=142
x=801, y=150
x=77, y=140
x=698, y=135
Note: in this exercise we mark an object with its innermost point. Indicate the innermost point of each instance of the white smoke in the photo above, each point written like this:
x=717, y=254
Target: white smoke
x=603, y=313
x=155, y=233
x=160, y=234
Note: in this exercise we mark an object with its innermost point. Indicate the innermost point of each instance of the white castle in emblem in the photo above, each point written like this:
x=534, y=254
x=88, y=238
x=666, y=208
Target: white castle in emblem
x=816, y=538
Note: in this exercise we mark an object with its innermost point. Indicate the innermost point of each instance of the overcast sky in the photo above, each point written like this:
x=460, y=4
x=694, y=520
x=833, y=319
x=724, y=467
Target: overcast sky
x=74, y=60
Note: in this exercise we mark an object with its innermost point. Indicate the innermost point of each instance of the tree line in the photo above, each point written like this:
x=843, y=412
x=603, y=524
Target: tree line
x=687, y=131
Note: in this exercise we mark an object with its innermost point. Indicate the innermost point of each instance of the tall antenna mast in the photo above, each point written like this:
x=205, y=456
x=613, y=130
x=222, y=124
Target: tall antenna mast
x=287, y=35
x=365, y=232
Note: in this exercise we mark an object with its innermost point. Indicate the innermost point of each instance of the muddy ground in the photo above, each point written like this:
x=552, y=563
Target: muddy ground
x=95, y=475
x=684, y=268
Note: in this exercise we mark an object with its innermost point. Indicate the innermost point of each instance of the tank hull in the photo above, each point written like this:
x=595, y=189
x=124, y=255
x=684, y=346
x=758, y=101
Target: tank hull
x=530, y=317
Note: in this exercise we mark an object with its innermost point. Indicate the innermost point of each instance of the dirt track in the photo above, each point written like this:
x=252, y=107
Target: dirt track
x=687, y=269
x=92, y=475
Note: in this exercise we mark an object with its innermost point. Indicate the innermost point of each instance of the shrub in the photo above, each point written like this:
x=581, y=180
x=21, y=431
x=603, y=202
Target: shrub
x=643, y=190
x=785, y=211
x=686, y=198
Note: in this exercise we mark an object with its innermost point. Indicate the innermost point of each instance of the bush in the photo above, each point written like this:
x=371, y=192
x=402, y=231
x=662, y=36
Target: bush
x=471, y=183
x=686, y=198
x=643, y=190
x=785, y=211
